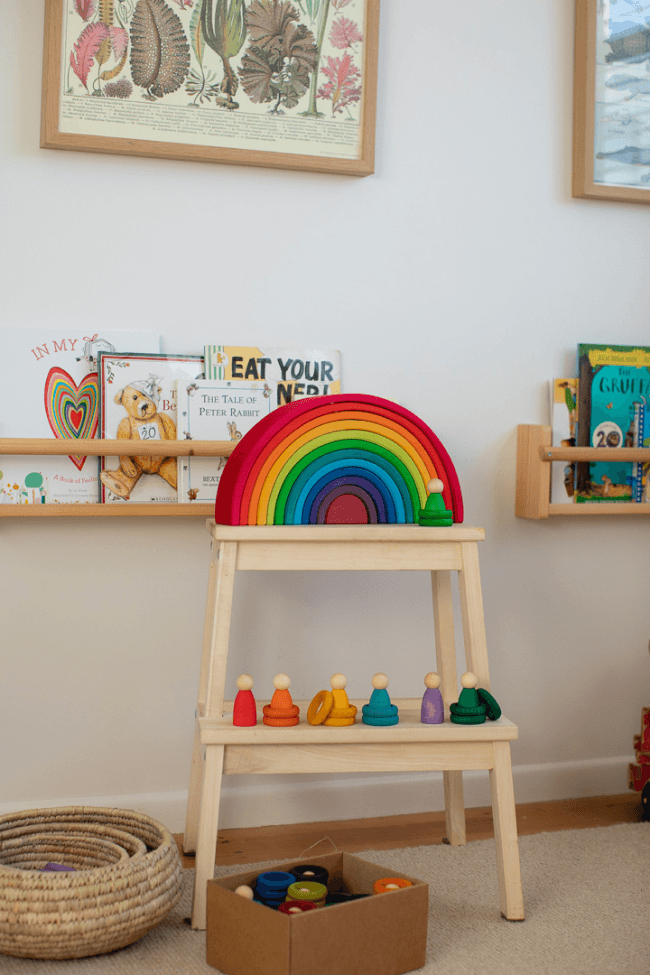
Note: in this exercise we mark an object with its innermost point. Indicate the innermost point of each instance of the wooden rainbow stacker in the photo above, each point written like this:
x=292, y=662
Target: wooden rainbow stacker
x=259, y=480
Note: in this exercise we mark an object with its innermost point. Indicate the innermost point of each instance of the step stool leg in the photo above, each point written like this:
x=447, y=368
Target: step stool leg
x=443, y=621
x=454, y=808
x=196, y=770
x=471, y=606
x=194, y=793
x=505, y=833
x=208, y=829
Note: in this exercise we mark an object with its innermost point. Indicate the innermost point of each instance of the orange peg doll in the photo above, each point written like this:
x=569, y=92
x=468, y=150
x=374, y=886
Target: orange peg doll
x=281, y=711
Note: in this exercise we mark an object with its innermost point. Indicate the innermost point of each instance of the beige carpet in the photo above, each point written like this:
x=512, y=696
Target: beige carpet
x=586, y=896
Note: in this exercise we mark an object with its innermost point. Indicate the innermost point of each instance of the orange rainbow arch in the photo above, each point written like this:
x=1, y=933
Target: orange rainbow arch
x=338, y=459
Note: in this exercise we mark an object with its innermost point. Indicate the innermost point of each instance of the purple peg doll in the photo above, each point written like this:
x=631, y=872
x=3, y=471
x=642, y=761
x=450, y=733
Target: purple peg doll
x=433, y=709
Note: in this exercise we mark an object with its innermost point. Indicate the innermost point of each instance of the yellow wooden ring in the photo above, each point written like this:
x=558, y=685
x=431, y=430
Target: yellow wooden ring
x=339, y=722
x=387, y=884
x=320, y=707
x=343, y=712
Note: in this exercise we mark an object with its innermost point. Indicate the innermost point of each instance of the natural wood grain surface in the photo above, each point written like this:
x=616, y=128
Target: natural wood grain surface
x=599, y=454
x=344, y=533
x=171, y=509
x=96, y=447
x=533, y=478
x=409, y=730
x=236, y=846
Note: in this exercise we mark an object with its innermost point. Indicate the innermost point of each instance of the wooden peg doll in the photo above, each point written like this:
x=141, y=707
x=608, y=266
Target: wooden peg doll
x=342, y=712
x=433, y=708
x=379, y=710
x=281, y=712
x=244, y=712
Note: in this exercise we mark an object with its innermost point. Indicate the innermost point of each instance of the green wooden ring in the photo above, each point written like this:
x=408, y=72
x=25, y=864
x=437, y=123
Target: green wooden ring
x=492, y=709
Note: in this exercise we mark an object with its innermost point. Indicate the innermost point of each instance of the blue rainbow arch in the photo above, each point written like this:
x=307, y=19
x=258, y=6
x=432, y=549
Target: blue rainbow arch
x=335, y=459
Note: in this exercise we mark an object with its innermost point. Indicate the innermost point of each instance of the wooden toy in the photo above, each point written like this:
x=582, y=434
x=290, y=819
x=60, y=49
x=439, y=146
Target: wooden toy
x=469, y=709
x=639, y=772
x=434, y=513
x=244, y=712
x=343, y=459
x=433, y=708
x=474, y=703
x=342, y=712
x=332, y=707
x=245, y=891
x=296, y=907
x=386, y=884
x=281, y=711
x=307, y=890
x=379, y=710
x=310, y=871
x=320, y=707
x=492, y=709
x=342, y=897
x=645, y=802
x=272, y=885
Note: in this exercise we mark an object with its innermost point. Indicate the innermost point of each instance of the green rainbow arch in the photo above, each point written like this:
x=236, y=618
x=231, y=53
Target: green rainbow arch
x=313, y=462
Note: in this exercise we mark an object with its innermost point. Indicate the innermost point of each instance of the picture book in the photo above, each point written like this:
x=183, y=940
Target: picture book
x=640, y=484
x=49, y=388
x=216, y=409
x=297, y=372
x=564, y=393
x=138, y=402
x=612, y=379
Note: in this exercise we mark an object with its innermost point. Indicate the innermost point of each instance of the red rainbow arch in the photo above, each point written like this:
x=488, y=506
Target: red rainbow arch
x=347, y=458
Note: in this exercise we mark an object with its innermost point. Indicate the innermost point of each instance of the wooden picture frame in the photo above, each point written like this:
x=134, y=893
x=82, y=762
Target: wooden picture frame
x=611, y=103
x=304, y=75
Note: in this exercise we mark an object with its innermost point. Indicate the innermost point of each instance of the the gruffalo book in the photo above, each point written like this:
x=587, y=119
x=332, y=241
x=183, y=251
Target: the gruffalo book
x=612, y=380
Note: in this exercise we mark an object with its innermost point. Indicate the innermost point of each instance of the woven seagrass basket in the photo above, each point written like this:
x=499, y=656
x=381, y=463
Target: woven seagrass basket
x=127, y=876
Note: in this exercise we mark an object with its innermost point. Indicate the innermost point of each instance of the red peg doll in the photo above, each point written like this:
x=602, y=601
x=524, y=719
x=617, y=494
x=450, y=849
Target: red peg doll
x=244, y=712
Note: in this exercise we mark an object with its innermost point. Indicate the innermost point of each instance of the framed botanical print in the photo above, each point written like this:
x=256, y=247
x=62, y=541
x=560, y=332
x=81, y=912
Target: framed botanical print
x=289, y=84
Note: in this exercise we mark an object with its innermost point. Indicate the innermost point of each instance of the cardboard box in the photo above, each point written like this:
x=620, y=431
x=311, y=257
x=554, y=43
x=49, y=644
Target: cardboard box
x=384, y=934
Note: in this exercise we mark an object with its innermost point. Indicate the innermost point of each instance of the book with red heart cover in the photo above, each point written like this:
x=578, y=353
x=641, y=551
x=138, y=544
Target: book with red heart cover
x=49, y=388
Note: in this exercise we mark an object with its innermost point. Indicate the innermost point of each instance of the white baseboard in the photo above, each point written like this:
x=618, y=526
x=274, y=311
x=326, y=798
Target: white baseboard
x=277, y=800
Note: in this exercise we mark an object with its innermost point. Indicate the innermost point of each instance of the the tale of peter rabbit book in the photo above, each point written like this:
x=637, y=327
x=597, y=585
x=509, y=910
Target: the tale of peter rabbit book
x=216, y=409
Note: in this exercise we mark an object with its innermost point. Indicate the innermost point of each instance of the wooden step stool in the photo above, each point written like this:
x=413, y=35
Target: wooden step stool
x=408, y=746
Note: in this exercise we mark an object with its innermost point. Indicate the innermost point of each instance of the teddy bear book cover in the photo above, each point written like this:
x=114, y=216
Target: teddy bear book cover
x=138, y=402
x=49, y=387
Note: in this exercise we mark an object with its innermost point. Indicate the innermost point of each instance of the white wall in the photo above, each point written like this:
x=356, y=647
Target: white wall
x=458, y=279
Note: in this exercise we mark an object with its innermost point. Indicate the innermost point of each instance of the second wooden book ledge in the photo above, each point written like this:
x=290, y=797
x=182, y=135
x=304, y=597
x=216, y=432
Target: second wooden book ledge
x=112, y=448
x=534, y=457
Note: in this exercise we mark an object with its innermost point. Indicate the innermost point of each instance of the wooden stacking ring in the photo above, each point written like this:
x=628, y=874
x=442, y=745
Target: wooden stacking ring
x=387, y=884
x=280, y=722
x=296, y=907
x=320, y=707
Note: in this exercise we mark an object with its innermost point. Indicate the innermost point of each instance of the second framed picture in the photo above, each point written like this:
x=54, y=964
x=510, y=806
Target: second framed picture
x=288, y=84
x=611, y=122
